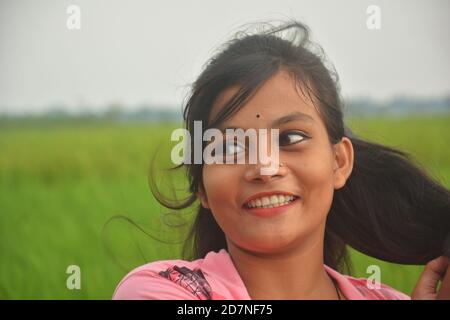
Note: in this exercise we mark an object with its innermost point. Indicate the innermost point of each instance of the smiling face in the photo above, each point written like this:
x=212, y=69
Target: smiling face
x=312, y=168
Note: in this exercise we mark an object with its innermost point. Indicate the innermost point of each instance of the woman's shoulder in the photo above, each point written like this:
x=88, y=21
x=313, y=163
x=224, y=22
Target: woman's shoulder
x=173, y=279
x=150, y=281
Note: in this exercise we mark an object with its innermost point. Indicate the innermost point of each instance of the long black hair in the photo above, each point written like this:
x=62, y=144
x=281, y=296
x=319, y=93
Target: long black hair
x=389, y=208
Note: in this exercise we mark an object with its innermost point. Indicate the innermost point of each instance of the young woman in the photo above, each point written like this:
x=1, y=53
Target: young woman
x=284, y=235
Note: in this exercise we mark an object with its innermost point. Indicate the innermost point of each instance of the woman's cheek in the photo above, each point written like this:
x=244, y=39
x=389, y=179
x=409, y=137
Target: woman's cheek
x=316, y=179
x=219, y=184
x=216, y=179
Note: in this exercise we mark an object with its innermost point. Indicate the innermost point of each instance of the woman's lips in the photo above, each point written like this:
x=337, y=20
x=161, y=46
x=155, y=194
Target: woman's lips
x=269, y=212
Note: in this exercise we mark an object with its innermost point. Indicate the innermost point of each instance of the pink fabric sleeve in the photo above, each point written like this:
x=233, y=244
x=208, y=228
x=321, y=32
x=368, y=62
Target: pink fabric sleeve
x=146, y=285
x=392, y=294
x=385, y=292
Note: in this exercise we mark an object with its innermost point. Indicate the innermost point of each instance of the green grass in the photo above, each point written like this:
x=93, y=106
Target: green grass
x=59, y=185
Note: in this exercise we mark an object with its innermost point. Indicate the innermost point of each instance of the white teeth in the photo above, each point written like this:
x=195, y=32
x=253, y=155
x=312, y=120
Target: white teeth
x=274, y=199
x=270, y=202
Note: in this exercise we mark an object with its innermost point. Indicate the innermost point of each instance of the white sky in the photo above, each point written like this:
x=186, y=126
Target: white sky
x=147, y=51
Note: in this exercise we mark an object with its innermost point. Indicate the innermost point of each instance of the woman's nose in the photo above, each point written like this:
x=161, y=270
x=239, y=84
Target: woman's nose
x=264, y=173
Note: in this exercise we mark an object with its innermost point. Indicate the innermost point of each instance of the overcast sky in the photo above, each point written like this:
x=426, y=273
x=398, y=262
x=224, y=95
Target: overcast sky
x=135, y=52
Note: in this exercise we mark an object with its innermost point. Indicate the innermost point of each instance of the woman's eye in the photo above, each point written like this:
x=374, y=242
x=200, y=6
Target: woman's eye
x=292, y=137
x=232, y=148
x=228, y=148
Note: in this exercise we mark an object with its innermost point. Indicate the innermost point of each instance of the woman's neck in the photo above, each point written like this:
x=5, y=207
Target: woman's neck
x=295, y=273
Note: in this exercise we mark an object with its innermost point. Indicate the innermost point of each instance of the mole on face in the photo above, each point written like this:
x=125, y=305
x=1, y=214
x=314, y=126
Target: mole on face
x=257, y=115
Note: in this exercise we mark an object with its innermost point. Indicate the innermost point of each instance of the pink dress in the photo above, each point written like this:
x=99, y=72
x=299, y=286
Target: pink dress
x=216, y=278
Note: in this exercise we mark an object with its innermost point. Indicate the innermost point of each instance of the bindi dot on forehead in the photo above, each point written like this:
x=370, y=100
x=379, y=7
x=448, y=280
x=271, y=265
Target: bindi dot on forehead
x=257, y=115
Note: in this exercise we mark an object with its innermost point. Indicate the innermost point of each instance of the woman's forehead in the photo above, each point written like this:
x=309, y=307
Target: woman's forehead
x=281, y=94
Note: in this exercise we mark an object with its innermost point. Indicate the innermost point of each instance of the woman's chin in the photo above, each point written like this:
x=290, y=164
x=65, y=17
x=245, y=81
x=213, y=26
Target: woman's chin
x=267, y=245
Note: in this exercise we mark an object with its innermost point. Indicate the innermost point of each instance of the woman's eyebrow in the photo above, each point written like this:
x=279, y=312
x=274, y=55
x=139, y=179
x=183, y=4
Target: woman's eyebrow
x=295, y=116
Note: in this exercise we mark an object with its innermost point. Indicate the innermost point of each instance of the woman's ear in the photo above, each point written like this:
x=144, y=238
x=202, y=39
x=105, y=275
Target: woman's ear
x=343, y=162
x=201, y=194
